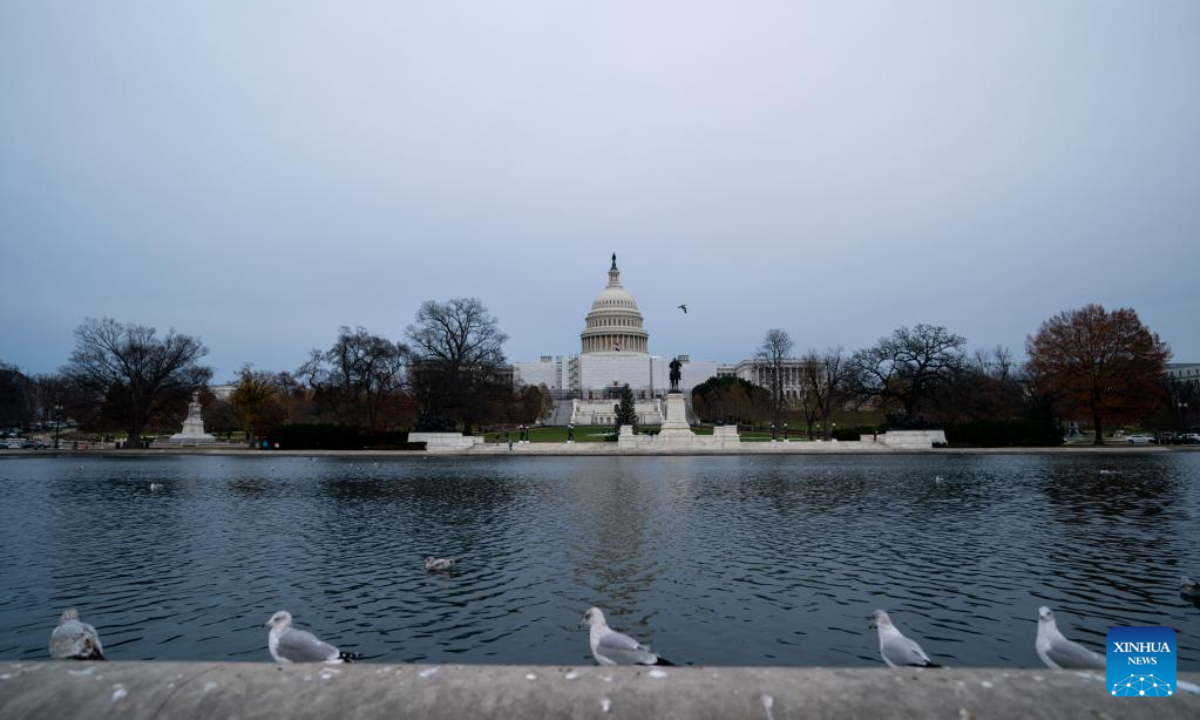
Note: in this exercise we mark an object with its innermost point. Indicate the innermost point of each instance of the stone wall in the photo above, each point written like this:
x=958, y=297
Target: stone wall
x=46, y=690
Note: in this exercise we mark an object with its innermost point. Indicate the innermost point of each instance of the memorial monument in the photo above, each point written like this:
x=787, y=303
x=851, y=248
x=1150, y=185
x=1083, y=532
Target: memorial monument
x=193, y=427
x=675, y=426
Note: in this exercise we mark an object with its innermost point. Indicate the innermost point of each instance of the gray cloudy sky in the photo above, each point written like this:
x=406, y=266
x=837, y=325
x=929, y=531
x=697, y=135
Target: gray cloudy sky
x=259, y=173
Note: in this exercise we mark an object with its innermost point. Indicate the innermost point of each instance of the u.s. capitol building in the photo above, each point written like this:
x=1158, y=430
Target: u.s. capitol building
x=614, y=352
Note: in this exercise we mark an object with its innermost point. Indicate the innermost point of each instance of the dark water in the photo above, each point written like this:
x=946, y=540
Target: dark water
x=722, y=561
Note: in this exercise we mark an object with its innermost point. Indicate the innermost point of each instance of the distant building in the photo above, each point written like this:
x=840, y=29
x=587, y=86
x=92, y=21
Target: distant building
x=1185, y=373
x=614, y=352
x=759, y=372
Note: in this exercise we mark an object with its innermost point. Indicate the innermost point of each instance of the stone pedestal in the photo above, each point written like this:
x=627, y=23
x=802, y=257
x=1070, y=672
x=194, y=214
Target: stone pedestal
x=676, y=435
x=726, y=437
x=676, y=426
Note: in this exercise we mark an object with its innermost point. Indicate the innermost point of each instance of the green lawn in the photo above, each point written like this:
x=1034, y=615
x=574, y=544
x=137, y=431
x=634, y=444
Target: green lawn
x=553, y=434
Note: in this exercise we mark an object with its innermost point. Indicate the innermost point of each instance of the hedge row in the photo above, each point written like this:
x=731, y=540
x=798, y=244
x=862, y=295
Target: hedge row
x=1004, y=433
x=322, y=436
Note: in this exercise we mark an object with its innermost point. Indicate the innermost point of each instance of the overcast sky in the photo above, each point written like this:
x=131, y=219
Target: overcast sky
x=259, y=173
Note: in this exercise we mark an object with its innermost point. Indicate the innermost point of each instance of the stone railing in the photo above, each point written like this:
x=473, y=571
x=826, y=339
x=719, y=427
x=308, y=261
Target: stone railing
x=192, y=691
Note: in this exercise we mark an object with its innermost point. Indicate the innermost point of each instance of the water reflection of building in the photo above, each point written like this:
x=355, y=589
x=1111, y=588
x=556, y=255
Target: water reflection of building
x=614, y=352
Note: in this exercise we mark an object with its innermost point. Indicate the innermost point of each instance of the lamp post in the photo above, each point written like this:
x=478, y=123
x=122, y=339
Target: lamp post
x=57, y=423
x=1183, y=416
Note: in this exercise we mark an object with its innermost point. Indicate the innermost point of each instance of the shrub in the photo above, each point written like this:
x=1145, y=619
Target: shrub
x=851, y=434
x=1004, y=433
x=324, y=436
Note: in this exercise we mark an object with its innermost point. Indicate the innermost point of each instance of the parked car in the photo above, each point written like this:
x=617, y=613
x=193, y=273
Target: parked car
x=1139, y=439
x=14, y=443
x=32, y=444
x=1190, y=439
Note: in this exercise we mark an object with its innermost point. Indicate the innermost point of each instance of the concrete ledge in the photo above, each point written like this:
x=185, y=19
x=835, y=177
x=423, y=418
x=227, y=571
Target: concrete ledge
x=134, y=690
x=610, y=449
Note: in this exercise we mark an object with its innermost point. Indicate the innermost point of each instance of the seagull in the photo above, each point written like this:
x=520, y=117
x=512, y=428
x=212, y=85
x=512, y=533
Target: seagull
x=1189, y=589
x=610, y=647
x=683, y=307
x=894, y=648
x=439, y=564
x=1060, y=653
x=74, y=639
x=288, y=645
x=155, y=486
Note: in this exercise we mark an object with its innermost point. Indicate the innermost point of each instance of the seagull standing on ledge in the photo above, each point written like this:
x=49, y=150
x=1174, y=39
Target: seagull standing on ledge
x=896, y=649
x=1060, y=653
x=288, y=645
x=74, y=639
x=610, y=647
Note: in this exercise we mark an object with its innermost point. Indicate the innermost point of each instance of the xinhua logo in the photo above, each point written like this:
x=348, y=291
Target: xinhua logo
x=1140, y=661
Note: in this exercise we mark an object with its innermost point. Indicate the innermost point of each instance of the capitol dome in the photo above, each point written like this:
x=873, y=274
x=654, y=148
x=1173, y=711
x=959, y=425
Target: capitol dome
x=614, y=323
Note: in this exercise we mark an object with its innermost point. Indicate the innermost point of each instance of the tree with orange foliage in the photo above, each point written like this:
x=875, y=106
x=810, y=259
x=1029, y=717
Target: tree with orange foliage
x=258, y=401
x=1104, y=363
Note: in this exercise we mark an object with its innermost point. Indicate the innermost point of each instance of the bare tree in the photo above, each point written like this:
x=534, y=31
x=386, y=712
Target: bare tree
x=220, y=417
x=906, y=368
x=826, y=377
x=989, y=386
x=358, y=377
x=458, y=363
x=1106, y=364
x=548, y=403
x=129, y=367
x=771, y=358
x=808, y=399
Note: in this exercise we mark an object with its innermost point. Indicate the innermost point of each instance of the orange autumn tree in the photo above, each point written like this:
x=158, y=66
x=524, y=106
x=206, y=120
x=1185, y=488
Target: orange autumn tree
x=1106, y=364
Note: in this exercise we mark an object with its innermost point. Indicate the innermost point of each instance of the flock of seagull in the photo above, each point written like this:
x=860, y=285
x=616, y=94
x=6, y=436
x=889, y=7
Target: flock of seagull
x=74, y=639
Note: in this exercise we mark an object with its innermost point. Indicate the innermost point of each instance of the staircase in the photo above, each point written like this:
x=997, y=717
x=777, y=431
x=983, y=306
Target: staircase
x=561, y=415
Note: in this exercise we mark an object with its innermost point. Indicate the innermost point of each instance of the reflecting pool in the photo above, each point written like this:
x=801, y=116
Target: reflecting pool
x=712, y=560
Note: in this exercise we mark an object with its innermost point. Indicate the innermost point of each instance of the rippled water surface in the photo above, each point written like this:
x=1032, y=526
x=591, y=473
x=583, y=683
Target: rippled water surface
x=721, y=561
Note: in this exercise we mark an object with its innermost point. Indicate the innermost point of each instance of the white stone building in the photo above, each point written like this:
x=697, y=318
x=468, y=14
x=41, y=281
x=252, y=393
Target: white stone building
x=614, y=352
x=1187, y=373
x=759, y=373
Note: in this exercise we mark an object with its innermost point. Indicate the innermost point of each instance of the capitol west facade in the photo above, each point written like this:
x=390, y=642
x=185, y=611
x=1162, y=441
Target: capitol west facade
x=614, y=352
